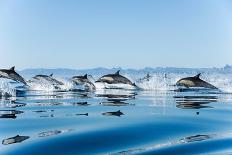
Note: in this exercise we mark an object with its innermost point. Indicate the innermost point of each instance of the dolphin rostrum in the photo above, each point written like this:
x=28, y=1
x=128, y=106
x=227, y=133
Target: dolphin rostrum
x=11, y=74
x=194, y=82
x=115, y=79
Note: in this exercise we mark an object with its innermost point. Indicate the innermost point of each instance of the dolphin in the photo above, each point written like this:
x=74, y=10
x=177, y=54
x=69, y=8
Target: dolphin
x=115, y=78
x=16, y=139
x=48, y=78
x=11, y=74
x=83, y=80
x=195, y=81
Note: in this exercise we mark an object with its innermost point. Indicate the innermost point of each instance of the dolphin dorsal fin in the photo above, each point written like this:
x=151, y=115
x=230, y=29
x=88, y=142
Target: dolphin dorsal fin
x=51, y=75
x=85, y=76
x=117, y=73
x=148, y=75
x=12, y=68
x=198, y=76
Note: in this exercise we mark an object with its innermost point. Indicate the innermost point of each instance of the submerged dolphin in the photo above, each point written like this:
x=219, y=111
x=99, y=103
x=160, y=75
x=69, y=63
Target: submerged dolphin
x=115, y=79
x=11, y=74
x=83, y=80
x=194, y=82
x=48, y=78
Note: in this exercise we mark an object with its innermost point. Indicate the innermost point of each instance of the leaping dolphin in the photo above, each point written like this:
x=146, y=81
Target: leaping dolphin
x=11, y=74
x=83, y=80
x=115, y=79
x=48, y=78
x=194, y=81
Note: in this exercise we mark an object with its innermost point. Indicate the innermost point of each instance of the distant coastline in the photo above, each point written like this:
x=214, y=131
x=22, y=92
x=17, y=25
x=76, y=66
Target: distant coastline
x=100, y=70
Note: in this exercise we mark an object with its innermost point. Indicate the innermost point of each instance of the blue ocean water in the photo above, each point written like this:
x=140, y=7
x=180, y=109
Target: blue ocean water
x=155, y=120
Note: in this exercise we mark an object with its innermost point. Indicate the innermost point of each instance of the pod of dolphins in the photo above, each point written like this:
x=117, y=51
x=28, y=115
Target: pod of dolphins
x=109, y=79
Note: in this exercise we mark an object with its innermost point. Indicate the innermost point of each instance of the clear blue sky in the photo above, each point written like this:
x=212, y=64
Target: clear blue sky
x=112, y=33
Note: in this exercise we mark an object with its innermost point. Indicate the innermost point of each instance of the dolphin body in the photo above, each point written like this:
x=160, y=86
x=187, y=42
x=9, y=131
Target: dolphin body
x=48, y=78
x=83, y=80
x=115, y=78
x=194, y=81
x=11, y=74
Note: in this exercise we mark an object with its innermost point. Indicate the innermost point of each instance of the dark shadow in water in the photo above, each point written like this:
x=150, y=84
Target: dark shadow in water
x=118, y=97
x=40, y=111
x=15, y=104
x=9, y=113
x=49, y=133
x=114, y=113
x=11, y=104
x=49, y=104
x=16, y=139
x=8, y=116
x=195, y=138
x=86, y=114
x=115, y=103
x=197, y=97
x=114, y=96
x=53, y=133
x=80, y=104
x=192, y=106
x=47, y=116
x=199, y=90
x=194, y=102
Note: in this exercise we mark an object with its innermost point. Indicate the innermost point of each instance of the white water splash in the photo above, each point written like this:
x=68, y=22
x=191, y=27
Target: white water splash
x=6, y=89
x=43, y=85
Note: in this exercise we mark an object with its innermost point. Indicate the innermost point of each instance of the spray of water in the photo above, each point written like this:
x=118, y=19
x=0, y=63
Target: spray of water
x=6, y=89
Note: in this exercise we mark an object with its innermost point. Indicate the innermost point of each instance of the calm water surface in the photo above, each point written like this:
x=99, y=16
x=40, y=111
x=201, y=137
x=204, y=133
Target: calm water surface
x=116, y=122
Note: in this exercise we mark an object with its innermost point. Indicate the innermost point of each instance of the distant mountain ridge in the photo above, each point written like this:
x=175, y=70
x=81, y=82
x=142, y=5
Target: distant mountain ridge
x=99, y=71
